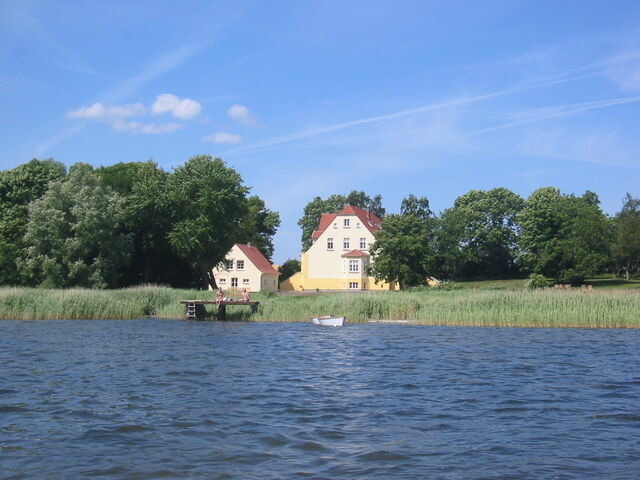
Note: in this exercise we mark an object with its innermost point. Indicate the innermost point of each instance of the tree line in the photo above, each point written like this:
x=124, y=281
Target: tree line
x=125, y=224
x=496, y=234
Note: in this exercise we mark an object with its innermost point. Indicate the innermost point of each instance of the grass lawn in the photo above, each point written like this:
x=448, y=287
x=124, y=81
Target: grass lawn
x=600, y=282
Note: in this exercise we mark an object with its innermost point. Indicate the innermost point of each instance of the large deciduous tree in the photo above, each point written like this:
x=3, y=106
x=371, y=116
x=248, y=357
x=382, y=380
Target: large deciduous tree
x=208, y=205
x=477, y=236
x=563, y=236
x=259, y=226
x=19, y=187
x=626, y=245
x=74, y=236
x=403, y=253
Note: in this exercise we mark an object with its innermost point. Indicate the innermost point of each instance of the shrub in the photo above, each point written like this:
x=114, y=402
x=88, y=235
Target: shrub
x=537, y=281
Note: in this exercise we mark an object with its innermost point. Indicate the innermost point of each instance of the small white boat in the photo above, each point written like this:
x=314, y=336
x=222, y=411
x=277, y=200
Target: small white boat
x=328, y=321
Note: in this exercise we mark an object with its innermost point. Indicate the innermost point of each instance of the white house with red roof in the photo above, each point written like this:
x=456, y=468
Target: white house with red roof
x=246, y=267
x=338, y=258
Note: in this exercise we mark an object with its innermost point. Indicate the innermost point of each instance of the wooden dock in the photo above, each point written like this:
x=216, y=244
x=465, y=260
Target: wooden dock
x=221, y=314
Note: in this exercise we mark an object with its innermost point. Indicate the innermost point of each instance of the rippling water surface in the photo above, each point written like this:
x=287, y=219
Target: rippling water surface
x=171, y=399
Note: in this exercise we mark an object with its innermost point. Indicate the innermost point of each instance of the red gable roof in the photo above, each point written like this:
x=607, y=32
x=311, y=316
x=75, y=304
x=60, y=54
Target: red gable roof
x=256, y=257
x=369, y=219
x=355, y=253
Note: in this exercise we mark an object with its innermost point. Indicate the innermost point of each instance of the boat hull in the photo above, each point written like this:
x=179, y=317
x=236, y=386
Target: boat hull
x=328, y=321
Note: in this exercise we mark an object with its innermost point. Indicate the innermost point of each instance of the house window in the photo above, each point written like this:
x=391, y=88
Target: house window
x=329, y=243
x=245, y=281
x=234, y=282
x=346, y=223
x=357, y=224
x=223, y=280
x=228, y=264
x=239, y=264
x=363, y=243
x=335, y=225
x=354, y=266
x=345, y=243
x=353, y=285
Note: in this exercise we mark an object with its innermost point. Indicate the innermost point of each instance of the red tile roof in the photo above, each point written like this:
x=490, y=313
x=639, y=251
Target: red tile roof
x=256, y=257
x=369, y=219
x=355, y=253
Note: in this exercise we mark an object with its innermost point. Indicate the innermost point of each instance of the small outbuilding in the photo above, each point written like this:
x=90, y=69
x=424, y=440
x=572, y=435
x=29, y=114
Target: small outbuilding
x=246, y=267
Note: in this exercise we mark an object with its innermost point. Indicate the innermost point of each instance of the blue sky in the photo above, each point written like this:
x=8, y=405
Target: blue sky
x=310, y=98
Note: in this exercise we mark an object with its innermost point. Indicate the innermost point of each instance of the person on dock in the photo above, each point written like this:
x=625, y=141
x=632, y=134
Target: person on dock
x=245, y=295
x=219, y=297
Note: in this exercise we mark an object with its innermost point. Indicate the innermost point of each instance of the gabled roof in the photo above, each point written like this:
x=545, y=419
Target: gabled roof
x=256, y=257
x=355, y=253
x=369, y=219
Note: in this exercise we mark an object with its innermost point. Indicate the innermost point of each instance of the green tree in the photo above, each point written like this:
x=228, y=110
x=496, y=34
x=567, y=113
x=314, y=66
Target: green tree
x=121, y=176
x=18, y=188
x=333, y=204
x=563, y=236
x=413, y=205
x=259, y=226
x=208, y=205
x=478, y=234
x=149, y=220
x=288, y=268
x=74, y=234
x=402, y=252
x=626, y=246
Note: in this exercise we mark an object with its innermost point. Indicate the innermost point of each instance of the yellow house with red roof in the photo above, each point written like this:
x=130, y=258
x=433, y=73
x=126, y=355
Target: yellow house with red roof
x=338, y=258
x=246, y=267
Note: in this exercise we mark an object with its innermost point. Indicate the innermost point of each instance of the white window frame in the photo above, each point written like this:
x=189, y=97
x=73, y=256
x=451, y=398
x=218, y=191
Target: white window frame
x=239, y=264
x=354, y=266
x=329, y=243
x=234, y=282
x=354, y=285
x=228, y=264
x=363, y=243
x=222, y=280
x=245, y=281
x=346, y=222
x=345, y=243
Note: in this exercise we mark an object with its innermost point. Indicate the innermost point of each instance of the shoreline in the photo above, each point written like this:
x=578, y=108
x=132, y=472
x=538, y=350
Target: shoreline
x=471, y=307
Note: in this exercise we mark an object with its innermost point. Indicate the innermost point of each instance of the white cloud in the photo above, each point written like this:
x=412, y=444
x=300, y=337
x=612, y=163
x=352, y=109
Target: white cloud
x=146, y=128
x=183, y=108
x=223, y=137
x=98, y=111
x=241, y=114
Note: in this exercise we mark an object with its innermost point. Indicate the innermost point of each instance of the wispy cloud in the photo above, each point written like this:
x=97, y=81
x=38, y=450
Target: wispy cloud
x=98, y=111
x=537, y=115
x=223, y=138
x=146, y=128
x=456, y=102
x=241, y=114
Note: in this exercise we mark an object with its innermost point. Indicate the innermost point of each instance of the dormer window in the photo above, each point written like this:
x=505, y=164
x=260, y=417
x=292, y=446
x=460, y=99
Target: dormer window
x=346, y=223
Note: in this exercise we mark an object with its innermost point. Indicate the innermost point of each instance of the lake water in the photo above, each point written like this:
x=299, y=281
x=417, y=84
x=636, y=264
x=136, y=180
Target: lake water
x=150, y=399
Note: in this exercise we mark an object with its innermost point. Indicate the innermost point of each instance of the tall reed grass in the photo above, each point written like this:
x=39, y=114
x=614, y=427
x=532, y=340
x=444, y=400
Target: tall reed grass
x=503, y=308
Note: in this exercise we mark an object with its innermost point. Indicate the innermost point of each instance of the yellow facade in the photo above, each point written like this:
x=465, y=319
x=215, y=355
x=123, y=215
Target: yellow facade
x=326, y=264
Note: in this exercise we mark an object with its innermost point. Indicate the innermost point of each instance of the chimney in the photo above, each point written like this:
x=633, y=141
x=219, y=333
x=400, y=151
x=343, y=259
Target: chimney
x=249, y=244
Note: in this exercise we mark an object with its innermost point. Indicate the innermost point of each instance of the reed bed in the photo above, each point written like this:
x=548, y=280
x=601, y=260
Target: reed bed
x=501, y=308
